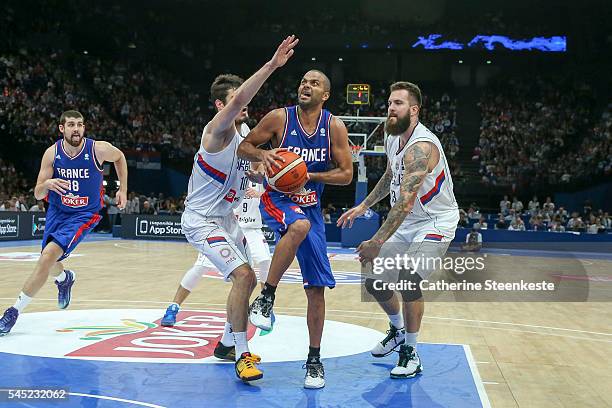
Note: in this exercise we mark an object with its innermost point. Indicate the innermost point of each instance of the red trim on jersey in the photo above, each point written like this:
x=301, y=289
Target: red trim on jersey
x=271, y=209
x=211, y=171
x=434, y=237
x=435, y=190
x=94, y=218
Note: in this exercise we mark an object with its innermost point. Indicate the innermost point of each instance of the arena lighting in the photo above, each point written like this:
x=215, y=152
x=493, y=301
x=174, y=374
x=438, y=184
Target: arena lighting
x=488, y=61
x=493, y=42
x=340, y=59
x=85, y=52
x=460, y=61
x=313, y=59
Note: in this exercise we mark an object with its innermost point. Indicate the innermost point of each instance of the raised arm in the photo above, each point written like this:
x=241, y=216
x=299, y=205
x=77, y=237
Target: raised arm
x=45, y=183
x=107, y=152
x=341, y=155
x=418, y=160
x=224, y=119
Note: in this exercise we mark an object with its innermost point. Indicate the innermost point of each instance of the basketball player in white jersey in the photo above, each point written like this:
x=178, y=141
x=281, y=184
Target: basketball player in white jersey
x=217, y=184
x=422, y=220
x=258, y=251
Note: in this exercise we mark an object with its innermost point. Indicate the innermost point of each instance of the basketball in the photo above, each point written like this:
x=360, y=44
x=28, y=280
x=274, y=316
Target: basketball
x=291, y=176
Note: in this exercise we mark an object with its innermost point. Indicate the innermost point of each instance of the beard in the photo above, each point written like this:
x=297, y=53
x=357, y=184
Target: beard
x=74, y=140
x=400, y=126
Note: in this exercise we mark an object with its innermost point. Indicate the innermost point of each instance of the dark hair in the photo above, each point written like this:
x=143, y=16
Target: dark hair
x=222, y=85
x=70, y=114
x=413, y=90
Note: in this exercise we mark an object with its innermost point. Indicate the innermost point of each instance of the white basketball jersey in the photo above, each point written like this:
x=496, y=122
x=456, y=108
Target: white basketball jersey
x=218, y=180
x=248, y=211
x=435, y=197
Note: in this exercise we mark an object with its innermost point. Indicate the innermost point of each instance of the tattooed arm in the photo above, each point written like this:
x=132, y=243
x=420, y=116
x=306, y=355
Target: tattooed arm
x=418, y=161
x=416, y=166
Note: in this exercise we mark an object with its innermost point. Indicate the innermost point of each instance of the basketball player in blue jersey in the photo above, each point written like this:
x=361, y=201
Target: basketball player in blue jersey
x=322, y=141
x=70, y=178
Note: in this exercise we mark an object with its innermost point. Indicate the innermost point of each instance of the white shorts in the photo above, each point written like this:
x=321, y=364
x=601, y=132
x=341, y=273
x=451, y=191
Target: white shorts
x=257, y=246
x=219, y=239
x=427, y=239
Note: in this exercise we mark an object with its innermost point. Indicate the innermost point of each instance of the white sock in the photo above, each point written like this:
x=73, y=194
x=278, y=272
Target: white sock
x=242, y=346
x=397, y=320
x=61, y=277
x=22, y=301
x=411, y=339
x=228, y=339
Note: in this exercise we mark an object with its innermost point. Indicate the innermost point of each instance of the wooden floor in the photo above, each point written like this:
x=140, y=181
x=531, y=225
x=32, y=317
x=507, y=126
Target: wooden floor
x=528, y=354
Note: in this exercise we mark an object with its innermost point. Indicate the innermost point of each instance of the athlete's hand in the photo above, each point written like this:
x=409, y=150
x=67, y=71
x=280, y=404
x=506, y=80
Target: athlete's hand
x=284, y=51
x=58, y=185
x=368, y=250
x=347, y=219
x=255, y=176
x=252, y=193
x=269, y=159
x=121, y=198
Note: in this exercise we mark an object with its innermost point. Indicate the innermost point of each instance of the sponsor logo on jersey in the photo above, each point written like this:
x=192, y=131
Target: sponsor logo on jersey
x=86, y=156
x=293, y=133
x=74, y=201
x=297, y=209
x=322, y=132
x=306, y=199
x=230, y=196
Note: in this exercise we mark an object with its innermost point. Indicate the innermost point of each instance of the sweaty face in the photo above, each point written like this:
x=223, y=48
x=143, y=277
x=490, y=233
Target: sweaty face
x=399, y=115
x=73, y=131
x=311, y=91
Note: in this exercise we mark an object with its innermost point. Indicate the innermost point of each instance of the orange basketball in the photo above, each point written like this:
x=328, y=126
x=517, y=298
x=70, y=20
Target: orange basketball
x=292, y=175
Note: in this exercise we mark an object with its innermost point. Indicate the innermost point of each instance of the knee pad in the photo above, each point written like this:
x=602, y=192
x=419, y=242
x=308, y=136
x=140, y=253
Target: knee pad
x=414, y=294
x=381, y=295
x=193, y=276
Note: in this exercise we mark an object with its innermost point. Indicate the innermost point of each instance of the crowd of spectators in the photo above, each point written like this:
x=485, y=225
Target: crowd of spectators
x=535, y=216
x=528, y=126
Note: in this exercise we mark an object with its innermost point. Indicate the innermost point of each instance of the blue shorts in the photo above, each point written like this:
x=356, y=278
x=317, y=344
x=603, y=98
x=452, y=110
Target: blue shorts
x=278, y=212
x=68, y=229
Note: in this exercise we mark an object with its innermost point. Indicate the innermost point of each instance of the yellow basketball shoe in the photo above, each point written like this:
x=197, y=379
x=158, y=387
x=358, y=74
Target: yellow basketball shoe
x=246, y=369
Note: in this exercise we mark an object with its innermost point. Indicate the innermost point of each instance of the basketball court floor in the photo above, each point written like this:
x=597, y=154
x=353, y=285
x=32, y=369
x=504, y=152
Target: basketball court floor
x=107, y=349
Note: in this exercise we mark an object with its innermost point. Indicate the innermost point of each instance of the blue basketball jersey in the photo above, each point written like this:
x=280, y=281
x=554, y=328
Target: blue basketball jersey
x=315, y=150
x=84, y=175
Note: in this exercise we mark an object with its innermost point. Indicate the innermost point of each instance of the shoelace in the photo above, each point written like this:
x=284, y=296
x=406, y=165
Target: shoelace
x=8, y=316
x=314, y=370
x=249, y=362
x=405, y=358
x=391, y=333
x=265, y=306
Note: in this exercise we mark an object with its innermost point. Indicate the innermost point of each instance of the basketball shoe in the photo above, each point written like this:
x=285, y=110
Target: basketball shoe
x=395, y=338
x=8, y=321
x=246, y=369
x=260, y=312
x=224, y=352
x=169, y=318
x=64, y=289
x=315, y=374
x=409, y=363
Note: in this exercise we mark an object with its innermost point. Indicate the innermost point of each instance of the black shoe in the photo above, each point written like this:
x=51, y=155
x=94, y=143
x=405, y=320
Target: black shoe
x=224, y=352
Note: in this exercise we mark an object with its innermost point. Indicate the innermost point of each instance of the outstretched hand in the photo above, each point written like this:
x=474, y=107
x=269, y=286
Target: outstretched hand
x=284, y=51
